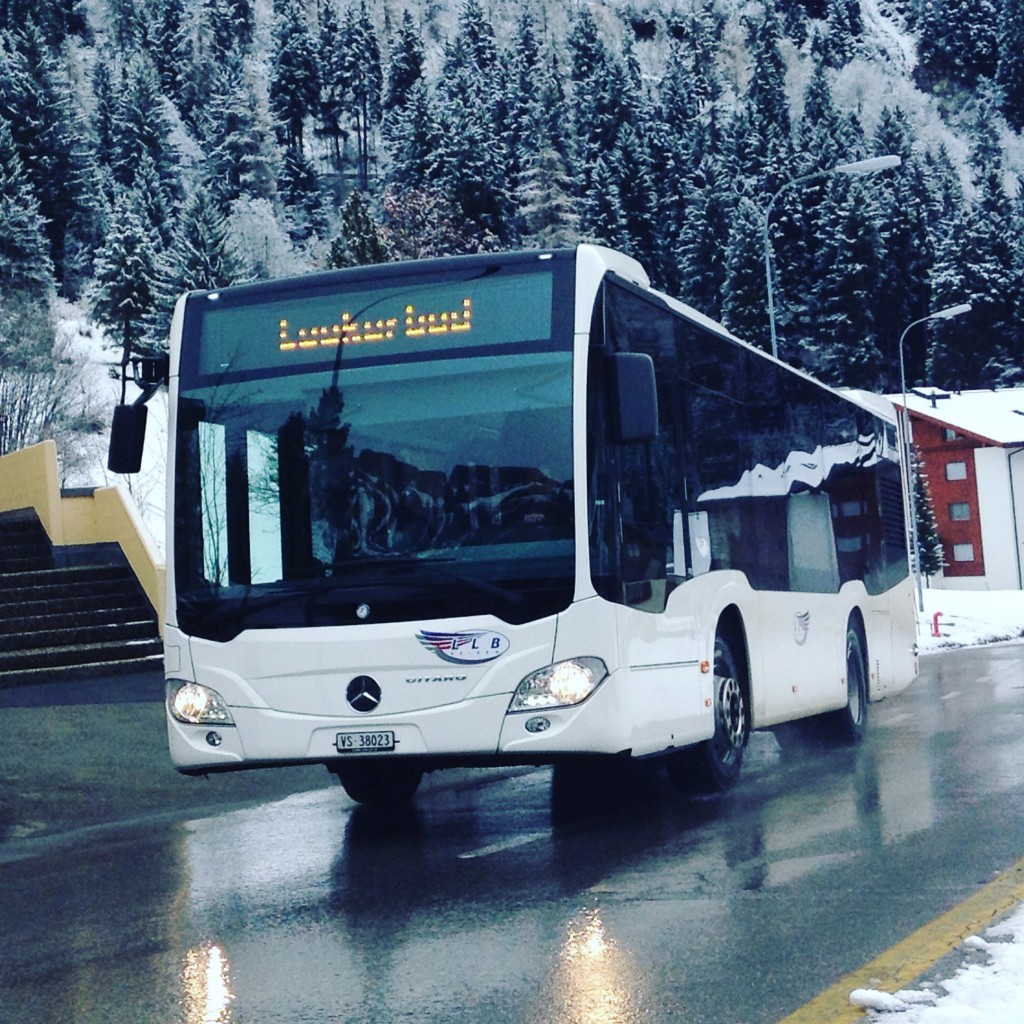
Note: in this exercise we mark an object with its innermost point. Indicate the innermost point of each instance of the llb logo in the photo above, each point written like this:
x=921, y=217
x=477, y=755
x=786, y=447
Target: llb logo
x=469, y=646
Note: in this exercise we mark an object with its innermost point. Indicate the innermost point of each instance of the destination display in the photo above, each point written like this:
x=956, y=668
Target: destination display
x=352, y=331
x=288, y=327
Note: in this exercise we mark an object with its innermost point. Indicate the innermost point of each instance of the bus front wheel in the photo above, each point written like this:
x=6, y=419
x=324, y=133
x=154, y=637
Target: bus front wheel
x=714, y=765
x=378, y=783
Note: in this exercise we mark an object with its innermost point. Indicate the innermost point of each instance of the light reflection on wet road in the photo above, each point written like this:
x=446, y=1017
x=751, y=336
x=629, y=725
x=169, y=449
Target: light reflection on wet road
x=485, y=905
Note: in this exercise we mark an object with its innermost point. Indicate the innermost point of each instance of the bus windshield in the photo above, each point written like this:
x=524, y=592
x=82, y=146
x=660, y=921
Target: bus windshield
x=374, y=454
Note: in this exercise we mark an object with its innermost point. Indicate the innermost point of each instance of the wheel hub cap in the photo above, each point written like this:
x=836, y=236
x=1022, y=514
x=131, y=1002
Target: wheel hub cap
x=730, y=709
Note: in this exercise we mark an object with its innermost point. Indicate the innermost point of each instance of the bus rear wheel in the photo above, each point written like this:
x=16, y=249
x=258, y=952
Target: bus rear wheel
x=714, y=765
x=378, y=783
x=849, y=724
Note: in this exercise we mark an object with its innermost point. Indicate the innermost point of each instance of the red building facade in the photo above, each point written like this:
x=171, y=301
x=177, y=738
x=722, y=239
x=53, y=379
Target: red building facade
x=948, y=459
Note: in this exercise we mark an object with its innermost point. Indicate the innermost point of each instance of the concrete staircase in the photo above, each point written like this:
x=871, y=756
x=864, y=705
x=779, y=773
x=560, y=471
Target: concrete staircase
x=69, y=613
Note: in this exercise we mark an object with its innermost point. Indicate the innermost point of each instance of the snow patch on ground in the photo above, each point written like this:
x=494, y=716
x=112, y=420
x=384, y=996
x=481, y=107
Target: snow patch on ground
x=966, y=618
x=991, y=992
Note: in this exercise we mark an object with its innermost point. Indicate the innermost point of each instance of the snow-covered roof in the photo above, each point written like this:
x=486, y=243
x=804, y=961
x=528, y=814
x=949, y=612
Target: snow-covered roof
x=995, y=417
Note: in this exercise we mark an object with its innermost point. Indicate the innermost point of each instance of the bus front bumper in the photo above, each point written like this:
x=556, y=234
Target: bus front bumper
x=478, y=731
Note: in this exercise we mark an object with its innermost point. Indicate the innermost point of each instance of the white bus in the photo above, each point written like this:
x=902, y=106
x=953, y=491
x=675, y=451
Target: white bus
x=514, y=509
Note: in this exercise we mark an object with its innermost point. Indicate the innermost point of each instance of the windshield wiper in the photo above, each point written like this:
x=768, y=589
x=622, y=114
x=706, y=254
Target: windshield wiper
x=386, y=561
x=513, y=599
x=508, y=597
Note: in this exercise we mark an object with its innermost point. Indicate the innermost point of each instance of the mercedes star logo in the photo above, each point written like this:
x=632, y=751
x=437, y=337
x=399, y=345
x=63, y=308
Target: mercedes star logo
x=363, y=693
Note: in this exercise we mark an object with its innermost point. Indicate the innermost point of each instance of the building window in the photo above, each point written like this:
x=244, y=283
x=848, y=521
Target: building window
x=963, y=552
x=956, y=470
x=948, y=434
x=960, y=512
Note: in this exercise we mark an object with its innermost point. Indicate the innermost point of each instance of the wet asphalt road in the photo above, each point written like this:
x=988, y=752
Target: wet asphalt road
x=491, y=903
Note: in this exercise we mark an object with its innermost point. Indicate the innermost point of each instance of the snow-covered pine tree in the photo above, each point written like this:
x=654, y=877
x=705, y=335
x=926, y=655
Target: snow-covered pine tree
x=197, y=258
x=294, y=75
x=700, y=249
x=231, y=25
x=242, y=157
x=600, y=97
x=107, y=89
x=361, y=241
x=405, y=64
x=1013, y=372
x=213, y=36
x=299, y=188
x=902, y=201
x=973, y=263
x=743, y=296
x=956, y=39
x=1010, y=68
x=170, y=50
x=58, y=20
x=332, y=108
x=770, y=152
x=795, y=23
x=141, y=128
x=847, y=280
x=25, y=264
x=125, y=274
x=128, y=23
x=362, y=81
x=824, y=139
x=547, y=211
x=471, y=161
x=929, y=544
x=414, y=140
x=672, y=130
x=476, y=35
x=844, y=26
x=37, y=103
x=602, y=219
x=637, y=192
x=517, y=112
x=153, y=202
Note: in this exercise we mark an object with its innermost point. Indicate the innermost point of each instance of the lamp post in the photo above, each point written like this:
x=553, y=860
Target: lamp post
x=942, y=314
x=858, y=167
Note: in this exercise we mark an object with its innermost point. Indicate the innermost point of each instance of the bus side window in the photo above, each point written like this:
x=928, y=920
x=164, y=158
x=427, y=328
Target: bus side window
x=691, y=544
x=645, y=542
x=630, y=504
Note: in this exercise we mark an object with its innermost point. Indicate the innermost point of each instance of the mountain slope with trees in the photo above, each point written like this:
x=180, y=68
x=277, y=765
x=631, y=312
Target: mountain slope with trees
x=152, y=146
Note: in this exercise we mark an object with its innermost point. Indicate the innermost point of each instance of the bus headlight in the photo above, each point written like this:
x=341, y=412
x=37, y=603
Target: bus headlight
x=560, y=685
x=194, y=704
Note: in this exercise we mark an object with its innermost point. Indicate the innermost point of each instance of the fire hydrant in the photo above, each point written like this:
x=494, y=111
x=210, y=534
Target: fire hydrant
x=935, y=624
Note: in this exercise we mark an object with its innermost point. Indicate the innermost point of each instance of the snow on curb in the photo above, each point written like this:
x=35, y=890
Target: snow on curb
x=991, y=992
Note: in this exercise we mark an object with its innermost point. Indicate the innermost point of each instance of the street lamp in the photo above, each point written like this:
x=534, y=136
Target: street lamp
x=858, y=167
x=942, y=314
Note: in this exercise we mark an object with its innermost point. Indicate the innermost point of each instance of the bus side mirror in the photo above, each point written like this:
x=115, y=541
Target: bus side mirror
x=634, y=397
x=127, y=434
x=128, y=430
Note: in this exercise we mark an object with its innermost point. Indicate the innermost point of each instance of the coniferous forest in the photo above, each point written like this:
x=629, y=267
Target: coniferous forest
x=148, y=147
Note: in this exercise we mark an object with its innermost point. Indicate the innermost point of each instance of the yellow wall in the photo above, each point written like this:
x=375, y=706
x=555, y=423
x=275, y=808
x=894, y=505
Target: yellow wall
x=29, y=479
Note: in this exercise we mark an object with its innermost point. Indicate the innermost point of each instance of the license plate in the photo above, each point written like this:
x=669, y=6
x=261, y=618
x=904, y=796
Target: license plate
x=365, y=742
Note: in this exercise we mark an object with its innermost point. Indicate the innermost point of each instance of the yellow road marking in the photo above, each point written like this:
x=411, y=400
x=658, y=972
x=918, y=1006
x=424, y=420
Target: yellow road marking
x=898, y=966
